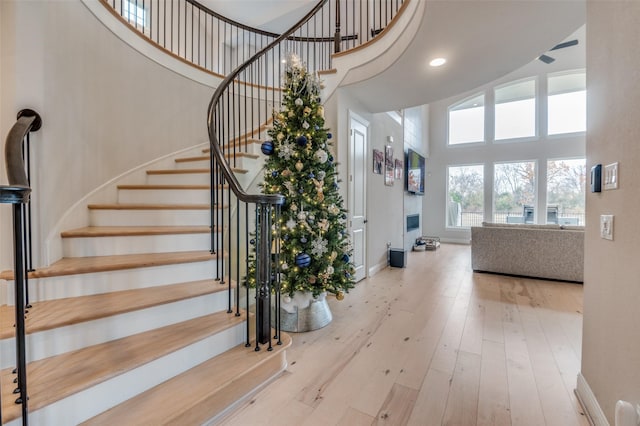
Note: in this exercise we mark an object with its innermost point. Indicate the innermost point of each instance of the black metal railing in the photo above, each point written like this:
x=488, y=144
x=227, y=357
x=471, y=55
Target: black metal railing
x=215, y=43
x=17, y=193
x=241, y=111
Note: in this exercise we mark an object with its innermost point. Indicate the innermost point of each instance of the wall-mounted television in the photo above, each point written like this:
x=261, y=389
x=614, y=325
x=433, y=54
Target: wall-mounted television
x=415, y=172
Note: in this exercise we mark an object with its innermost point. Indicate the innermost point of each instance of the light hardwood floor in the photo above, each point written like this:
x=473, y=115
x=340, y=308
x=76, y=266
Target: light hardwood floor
x=434, y=344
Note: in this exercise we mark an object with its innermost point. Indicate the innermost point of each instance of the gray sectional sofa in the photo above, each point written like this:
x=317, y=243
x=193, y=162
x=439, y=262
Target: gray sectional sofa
x=540, y=251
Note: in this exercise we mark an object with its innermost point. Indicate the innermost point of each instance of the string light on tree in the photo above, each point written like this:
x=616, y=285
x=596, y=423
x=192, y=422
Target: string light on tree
x=315, y=256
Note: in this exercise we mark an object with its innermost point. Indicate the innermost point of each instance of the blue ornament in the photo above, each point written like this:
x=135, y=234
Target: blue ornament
x=303, y=260
x=286, y=237
x=317, y=127
x=274, y=173
x=303, y=240
x=329, y=135
x=345, y=258
x=267, y=147
x=252, y=242
x=301, y=190
x=335, y=185
x=311, y=175
x=330, y=159
x=348, y=275
x=302, y=140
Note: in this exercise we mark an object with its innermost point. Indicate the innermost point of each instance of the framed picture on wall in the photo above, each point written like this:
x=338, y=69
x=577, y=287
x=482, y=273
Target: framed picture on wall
x=378, y=160
x=398, y=169
x=388, y=165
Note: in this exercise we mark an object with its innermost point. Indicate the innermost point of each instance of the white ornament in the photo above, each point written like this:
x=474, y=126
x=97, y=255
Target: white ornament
x=299, y=102
x=284, y=266
x=330, y=270
x=302, y=216
x=286, y=150
x=305, y=125
x=319, y=247
x=322, y=156
x=291, y=224
x=321, y=175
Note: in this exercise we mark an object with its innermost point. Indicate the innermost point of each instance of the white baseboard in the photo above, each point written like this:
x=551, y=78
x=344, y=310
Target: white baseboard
x=456, y=240
x=377, y=268
x=590, y=403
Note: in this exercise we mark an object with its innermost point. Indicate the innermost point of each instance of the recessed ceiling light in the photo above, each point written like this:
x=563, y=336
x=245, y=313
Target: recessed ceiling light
x=437, y=62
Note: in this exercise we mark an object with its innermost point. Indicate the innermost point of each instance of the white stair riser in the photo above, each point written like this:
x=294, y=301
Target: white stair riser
x=241, y=163
x=179, y=179
x=108, y=246
x=163, y=196
x=125, y=279
x=72, y=337
x=94, y=400
x=149, y=218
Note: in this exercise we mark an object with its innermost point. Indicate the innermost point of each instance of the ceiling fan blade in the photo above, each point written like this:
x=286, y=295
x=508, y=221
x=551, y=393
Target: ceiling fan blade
x=546, y=59
x=564, y=44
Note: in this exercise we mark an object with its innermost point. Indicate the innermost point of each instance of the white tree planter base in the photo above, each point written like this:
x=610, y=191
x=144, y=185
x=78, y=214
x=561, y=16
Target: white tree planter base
x=304, y=313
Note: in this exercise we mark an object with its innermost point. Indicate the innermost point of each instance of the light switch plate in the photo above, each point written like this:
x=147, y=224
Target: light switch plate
x=611, y=176
x=606, y=226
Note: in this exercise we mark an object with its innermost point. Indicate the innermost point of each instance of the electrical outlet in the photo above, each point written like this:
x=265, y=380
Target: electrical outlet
x=606, y=226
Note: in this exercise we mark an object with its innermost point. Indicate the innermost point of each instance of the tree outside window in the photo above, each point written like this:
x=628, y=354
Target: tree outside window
x=465, y=207
x=566, y=182
x=514, y=189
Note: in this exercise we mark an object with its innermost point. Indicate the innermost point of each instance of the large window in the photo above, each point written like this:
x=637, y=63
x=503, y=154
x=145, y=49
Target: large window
x=466, y=196
x=516, y=110
x=567, y=103
x=566, y=180
x=466, y=121
x=514, y=192
x=134, y=12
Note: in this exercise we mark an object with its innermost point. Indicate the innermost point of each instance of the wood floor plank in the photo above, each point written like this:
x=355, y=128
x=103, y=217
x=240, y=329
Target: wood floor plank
x=326, y=374
x=397, y=408
x=354, y=417
x=432, y=399
x=462, y=403
x=493, y=399
x=554, y=397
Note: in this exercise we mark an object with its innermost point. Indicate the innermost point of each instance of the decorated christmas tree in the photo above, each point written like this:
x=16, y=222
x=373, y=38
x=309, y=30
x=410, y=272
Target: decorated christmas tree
x=315, y=247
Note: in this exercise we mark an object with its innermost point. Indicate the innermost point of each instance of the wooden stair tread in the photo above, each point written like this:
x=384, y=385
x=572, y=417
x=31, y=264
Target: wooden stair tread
x=51, y=314
x=169, y=402
x=86, y=265
x=57, y=377
x=188, y=171
x=130, y=231
x=131, y=206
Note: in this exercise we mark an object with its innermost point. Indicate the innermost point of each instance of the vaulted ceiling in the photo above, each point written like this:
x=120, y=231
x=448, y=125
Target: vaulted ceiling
x=482, y=40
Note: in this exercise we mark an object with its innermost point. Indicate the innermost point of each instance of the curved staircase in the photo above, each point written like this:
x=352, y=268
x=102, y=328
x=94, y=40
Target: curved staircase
x=130, y=327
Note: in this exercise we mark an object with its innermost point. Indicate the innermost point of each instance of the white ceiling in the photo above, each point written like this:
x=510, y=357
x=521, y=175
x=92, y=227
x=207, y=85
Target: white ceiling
x=481, y=39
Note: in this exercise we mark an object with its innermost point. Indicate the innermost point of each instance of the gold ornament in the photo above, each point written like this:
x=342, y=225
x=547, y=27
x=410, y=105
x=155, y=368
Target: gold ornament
x=286, y=173
x=340, y=295
x=321, y=111
x=312, y=279
x=299, y=166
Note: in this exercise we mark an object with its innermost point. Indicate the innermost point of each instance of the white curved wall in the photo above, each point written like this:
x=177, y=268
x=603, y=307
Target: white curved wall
x=106, y=108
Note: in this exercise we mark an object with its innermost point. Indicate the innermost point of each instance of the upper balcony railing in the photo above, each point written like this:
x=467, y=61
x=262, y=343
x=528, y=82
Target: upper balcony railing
x=200, y=36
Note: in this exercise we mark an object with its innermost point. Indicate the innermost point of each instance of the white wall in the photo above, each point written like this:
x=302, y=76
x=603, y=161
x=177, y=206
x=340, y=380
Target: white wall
x=385, y=217
x=611, y=341
x=105, y=107
x=441, y=155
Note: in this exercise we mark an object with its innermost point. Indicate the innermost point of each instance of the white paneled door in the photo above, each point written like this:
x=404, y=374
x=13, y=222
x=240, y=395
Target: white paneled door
x=358, y=193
